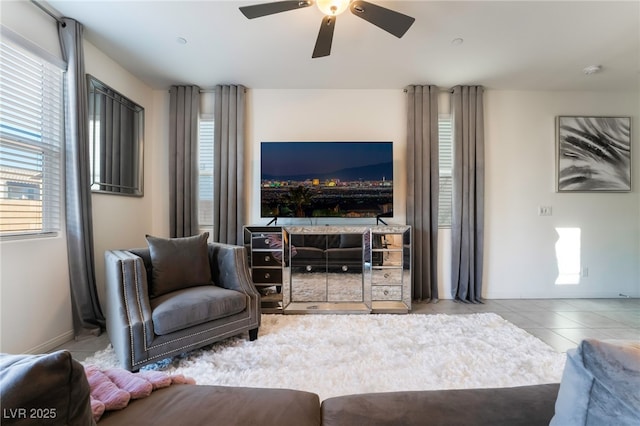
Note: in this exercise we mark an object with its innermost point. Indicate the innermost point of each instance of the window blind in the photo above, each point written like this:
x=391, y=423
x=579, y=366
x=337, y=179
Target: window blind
x=31, y=135
x=445, y=145
x=205, y=172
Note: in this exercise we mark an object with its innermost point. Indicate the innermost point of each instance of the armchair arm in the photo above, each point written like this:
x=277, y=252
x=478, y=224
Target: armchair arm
x=128, y=310
x=229, y=268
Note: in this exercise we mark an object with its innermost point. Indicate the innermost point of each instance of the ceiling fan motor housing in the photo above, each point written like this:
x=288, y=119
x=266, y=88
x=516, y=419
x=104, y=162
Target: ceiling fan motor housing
x=390, y=21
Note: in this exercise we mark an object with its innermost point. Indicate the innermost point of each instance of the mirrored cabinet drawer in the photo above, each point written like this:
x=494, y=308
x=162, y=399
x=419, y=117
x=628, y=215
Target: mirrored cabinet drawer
x=267, y=275
x=386, y=292
x=265, y=258
x=265, y=241
x=388, y=276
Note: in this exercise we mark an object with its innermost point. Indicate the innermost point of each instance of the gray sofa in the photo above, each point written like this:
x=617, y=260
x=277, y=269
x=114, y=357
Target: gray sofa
x=600, y=386
x=55, y=385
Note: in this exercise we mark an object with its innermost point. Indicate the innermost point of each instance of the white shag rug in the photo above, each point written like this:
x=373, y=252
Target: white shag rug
x=334, y=355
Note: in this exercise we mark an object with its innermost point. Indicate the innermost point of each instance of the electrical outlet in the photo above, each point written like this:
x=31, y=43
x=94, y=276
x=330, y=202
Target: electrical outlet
x=544, y=211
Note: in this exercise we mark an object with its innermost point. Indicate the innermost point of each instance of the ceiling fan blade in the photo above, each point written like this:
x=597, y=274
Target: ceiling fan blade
x=389, y=20
x=264, y=9
x=325, y=37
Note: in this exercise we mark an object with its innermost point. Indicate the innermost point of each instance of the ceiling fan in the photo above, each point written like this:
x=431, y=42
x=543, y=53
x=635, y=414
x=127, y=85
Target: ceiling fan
x=391, y=21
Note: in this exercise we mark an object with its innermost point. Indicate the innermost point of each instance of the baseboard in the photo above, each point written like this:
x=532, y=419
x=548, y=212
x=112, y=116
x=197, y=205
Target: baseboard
x=558, y=295
x=52, y=344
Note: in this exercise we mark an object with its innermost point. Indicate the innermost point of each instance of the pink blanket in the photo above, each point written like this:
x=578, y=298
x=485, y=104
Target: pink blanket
x=112, y=389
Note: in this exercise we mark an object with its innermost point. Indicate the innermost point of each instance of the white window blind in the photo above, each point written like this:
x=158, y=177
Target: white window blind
x=31, y=134
x=445, y=140
x=205, y=173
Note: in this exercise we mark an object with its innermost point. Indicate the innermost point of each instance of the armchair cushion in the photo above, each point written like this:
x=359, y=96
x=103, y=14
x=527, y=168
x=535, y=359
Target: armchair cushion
x=178, y=263
x=192, y=306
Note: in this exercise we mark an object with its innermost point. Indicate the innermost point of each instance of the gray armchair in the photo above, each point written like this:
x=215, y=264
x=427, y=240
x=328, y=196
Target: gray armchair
x=145, y=328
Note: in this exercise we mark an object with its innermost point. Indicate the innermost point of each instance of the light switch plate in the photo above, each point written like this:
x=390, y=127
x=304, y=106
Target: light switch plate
x=544, y=211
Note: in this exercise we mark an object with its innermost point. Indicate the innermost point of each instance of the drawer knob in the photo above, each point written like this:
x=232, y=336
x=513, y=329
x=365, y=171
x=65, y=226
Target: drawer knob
x=267, y=275
x=386, y=275
x=267, y=241
x=386, y=292
x=345, y=268
x=267, y=258
x=309, y=268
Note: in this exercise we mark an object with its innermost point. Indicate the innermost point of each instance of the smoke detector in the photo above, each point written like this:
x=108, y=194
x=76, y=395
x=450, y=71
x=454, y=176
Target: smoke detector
x=592, y=69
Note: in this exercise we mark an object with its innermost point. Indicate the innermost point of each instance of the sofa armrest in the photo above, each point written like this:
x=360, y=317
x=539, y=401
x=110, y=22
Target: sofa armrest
x=128, y=312
x=230, y=269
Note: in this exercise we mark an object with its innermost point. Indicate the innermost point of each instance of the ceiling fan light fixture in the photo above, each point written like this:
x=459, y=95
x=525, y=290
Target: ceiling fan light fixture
x=333, y=7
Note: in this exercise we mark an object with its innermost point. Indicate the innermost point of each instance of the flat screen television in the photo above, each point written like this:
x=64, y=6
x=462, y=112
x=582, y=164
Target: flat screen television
x=326, y=179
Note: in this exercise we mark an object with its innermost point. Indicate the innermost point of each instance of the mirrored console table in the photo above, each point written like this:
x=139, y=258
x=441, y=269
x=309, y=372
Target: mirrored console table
x=331, y=269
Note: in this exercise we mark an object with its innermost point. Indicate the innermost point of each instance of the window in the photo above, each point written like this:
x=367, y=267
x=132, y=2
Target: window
x=205, y=173
x=31, y=134
x=445, y=140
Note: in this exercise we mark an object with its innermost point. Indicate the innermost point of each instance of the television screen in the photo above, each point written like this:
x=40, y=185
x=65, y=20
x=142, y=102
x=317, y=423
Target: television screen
x=326, y=179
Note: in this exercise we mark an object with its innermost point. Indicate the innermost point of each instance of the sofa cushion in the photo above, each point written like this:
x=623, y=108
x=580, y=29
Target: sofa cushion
x=192, y=306
x=524, y=405
x=44, y=389
x=600, y=382
x=219, y=405
x=178, y=263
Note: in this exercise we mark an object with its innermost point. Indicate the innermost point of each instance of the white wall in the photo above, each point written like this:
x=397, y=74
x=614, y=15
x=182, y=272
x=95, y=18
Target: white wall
x=520, y=164
x=520, y=258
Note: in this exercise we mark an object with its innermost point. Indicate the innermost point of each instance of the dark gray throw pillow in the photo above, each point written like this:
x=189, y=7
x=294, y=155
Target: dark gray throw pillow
x=49, y=389
x=178, y=263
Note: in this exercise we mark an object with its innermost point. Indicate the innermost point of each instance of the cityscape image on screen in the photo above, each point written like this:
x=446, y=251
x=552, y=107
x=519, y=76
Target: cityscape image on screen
x=326, y=179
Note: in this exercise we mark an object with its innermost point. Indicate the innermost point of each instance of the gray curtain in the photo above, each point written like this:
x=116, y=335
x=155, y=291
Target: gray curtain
x=467, y=222
x=228, y=164
x=184, y=103
x=423, y=188
x=86, y=312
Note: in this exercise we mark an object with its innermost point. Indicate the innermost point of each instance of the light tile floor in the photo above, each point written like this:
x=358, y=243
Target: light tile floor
x=561, y=323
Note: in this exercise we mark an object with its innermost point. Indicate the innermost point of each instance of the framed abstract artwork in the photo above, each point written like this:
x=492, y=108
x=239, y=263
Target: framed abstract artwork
x=593, y=154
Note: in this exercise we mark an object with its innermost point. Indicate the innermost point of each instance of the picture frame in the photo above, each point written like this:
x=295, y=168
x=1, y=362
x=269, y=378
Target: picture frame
x=593, y=154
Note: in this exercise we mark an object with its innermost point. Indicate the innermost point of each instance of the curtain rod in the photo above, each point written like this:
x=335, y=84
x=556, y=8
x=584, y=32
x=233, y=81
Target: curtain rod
x=210, y=91
x=214, y=90
x=439, y=89
x=48, y=12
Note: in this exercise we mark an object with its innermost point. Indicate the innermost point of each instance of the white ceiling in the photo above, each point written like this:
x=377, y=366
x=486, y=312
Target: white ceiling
x=527, y=45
